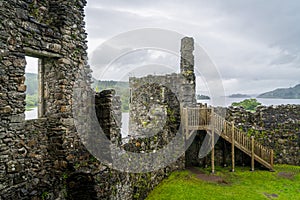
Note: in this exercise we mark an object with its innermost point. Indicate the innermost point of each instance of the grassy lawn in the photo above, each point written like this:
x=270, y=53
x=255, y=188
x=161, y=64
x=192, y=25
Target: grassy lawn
x=240, y=185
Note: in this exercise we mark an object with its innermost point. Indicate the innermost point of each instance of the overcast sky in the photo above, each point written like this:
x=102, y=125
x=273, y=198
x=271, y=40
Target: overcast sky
x=254, y=44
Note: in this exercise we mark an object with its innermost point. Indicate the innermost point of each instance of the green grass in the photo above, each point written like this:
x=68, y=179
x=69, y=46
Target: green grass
x=242, y=184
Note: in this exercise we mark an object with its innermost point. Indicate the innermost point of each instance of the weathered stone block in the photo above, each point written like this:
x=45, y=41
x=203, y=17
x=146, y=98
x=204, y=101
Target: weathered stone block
x=55, y=47
x=64, y=61
x=5, y=110
x=22, y=88
x=19, y=62
x=13, y=167
x=17, y=118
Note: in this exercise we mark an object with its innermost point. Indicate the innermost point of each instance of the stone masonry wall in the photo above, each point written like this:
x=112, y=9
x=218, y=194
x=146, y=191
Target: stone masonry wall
x=113, y=184
x=33, y=153
x=155, y=103
x=57, y=165
x=163, y=94
x=275, y=126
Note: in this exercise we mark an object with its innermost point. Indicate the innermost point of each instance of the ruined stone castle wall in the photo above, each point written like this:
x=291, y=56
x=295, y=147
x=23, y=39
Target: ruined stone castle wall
x=163, y=94
x=45, y=158
x=32, y=153
x=155, y=103
x=277, y=127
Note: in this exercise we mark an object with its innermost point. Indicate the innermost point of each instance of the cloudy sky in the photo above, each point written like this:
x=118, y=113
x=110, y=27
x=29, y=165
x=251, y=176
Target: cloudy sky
x=255, y=44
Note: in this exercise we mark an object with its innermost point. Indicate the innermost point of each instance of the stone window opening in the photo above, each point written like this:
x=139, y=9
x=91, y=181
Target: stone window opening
x=34, y=87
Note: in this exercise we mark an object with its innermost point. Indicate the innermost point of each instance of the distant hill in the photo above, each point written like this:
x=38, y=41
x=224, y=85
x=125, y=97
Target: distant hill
x=31, y=80
x=239, y=96
x=102, y=85
x=122, y=89
x=202, y=97
x=283, y=93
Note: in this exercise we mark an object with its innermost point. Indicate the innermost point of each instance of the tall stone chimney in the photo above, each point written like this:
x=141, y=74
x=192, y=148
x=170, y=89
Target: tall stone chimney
x=187, y=70
x=187, y=58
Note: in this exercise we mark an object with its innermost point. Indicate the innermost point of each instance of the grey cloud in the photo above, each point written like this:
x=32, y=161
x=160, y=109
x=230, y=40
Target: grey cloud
x=255, y=44
x=138, y=63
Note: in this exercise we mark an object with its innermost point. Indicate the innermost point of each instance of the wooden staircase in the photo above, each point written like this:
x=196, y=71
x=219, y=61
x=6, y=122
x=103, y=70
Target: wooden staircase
x=204, y=118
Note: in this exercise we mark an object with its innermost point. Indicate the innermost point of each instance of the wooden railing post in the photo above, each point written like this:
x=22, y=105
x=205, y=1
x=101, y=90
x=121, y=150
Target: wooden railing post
x=186, y=118
x=212, y=119
x=232, y=147
x=183, y=118
x=213, y=151
x=272, y=159
x=252, y=153
x=207, y=117
x=199, y=117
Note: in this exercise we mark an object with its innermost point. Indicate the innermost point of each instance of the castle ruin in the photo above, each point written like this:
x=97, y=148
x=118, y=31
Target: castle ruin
x=45, y=158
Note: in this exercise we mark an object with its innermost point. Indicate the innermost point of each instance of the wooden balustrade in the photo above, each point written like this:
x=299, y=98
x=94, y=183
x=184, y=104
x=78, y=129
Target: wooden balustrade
x=204, y=118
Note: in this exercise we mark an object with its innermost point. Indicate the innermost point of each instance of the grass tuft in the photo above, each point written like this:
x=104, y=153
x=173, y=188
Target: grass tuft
x=284, y=183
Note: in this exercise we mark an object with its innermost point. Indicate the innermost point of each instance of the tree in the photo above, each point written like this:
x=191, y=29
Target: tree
x=248, y=104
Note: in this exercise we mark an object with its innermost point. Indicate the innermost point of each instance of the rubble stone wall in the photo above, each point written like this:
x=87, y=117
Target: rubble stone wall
x=45, y=158
x=277, y=127
x=33, y=153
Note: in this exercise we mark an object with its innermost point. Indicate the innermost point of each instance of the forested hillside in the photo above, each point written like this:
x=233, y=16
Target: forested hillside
x=122, y=89
x=283, y=93
x=32, y=83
